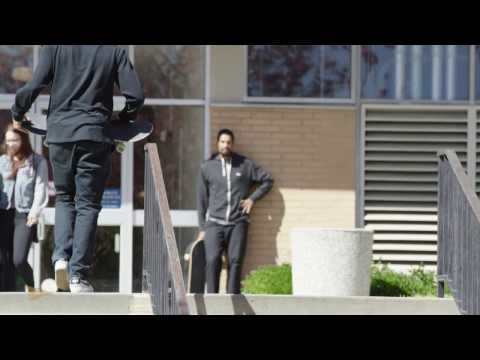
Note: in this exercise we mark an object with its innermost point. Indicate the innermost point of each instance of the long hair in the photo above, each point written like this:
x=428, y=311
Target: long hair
x=23, y=153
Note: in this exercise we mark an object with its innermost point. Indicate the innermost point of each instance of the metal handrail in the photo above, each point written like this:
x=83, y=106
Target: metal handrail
x=162, y=272
x=458, y=235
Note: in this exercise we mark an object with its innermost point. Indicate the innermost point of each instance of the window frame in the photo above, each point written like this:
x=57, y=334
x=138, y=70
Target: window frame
x=303, y=100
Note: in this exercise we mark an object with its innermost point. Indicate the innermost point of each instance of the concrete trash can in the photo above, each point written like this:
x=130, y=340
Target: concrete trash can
x=329, y=262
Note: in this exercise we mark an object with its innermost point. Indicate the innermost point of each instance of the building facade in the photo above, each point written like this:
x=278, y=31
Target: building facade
x=349, y=132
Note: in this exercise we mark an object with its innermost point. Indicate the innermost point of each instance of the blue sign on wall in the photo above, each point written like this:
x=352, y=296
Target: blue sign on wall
x=112, y=198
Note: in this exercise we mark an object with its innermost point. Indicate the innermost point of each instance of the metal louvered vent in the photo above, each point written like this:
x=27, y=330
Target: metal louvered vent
x=400, y=172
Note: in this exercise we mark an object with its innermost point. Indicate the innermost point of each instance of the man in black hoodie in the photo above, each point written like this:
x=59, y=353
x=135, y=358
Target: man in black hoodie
x=82, y=79
x=224, y=206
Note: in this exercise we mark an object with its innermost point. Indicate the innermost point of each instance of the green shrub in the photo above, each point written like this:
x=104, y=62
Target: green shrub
x=277, y=280
x=417, y=282
x=269, y=280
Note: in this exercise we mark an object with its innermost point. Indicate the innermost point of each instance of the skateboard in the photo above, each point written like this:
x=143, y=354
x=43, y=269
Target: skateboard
x=195, y=255
x=121, y=131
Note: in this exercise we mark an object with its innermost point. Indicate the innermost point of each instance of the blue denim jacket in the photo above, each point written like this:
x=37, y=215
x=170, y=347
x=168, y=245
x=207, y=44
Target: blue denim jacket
x=26, y=200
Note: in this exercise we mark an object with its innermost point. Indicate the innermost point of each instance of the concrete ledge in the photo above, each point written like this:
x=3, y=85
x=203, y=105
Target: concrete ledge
x=305, y=305
x=139, y=304
x=78, y=304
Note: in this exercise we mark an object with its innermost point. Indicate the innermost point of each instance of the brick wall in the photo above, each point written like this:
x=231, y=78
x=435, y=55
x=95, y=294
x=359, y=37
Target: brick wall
x=311, y=154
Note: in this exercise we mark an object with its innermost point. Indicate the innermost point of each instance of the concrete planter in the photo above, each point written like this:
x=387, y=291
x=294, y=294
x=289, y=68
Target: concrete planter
x=327, y=262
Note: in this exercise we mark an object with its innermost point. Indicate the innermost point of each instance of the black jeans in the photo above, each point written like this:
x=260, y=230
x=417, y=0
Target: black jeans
x=80, y=172
x=16, y=240
x=217, y=239
x=7, y=270
x=22, y=241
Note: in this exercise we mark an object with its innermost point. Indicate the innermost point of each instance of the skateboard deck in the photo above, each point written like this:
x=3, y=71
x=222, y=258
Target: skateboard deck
x=128, y=131
x=196, y=268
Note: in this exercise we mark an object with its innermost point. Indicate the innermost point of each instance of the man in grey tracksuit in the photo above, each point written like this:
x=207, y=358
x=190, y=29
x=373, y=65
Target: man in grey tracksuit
x=224, y=205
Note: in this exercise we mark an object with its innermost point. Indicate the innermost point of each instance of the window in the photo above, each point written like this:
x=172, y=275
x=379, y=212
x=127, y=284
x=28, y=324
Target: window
x=300, y=71
x=415, y=72
x=173, y=77
x=175, y=86
x=171, y=71
x=178, y=134
x=477, y=72
x=16, y=63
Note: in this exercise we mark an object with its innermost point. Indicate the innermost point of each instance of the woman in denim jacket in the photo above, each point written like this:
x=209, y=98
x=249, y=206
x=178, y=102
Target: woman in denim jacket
x=23, y=196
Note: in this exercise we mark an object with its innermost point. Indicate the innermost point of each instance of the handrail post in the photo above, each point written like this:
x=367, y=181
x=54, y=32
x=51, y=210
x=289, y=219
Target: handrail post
x=441, y=288
x=162, y=271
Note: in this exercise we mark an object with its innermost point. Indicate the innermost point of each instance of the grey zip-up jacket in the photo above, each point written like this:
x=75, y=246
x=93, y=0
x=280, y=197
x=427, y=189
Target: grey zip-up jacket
x=82, y=79
x=222, y=185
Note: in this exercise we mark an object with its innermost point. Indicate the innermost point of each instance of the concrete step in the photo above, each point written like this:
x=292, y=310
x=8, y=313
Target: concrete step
x=304, y=305
x=139, y=304
x=74, y=304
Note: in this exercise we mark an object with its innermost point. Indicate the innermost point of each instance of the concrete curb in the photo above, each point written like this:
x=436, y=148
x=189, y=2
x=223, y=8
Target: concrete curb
x=78, y=304
x=307, y=305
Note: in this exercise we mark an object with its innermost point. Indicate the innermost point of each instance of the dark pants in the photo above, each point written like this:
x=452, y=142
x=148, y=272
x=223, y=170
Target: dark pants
x=219, y=238
x=16, y=240
x=80, y=172
x=22, y=241
x=7, y=270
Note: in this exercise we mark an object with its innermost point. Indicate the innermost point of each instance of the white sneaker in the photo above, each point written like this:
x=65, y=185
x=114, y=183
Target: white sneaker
x=49, y=286
x=61, y=275
x=78, y=285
